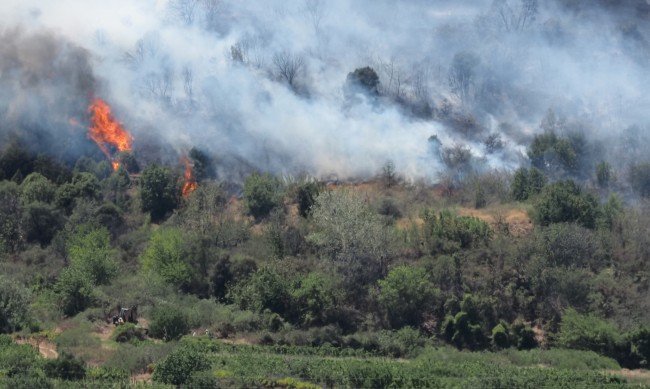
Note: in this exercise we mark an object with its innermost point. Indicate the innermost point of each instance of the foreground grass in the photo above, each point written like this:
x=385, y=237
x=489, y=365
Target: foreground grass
x=247, y=366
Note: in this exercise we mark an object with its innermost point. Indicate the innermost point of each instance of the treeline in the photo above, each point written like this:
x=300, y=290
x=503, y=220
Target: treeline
x=382, y=269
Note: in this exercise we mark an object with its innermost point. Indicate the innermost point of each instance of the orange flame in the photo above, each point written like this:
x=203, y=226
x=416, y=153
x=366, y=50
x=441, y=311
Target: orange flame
x=106, y=131
x=190, y=183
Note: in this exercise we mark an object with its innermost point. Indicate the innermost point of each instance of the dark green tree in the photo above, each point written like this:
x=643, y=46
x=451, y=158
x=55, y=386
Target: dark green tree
x=363, y=79
x=158, y=192
x=262, y=193
x=406, y=295
x=564, y=202
x=168, y=323
x=36, y=188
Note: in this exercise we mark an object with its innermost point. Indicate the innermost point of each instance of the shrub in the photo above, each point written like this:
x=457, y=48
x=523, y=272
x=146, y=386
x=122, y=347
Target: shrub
x=128, y=332
x=586, y=332
x=66, y=367
x=40, y=222
x=75, y=290
x=158, y=192
x=447, y=233
x=14, y=306
x=500, y=336
x=405, y=295
x=168, y=323
x=179, y=365
x=36, y=188
x=167, y=255
x=266, y=289
x=564, y=202
x=90, y=251
x=262, y=193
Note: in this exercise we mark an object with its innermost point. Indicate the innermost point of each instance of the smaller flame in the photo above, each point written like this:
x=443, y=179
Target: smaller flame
x=190, y=183
x=106, y=131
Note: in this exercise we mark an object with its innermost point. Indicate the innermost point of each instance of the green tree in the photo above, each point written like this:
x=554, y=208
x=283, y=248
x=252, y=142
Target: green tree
x=179, y=365
x=588, y=332
x=90, y=251
x=262, y=193
x=41, y=222
x=167, y=255
x=11, y=227
x=266, y=289
x=306, y=197
x=168, y=323
x=75, y=289
x=158, y=192
x=564, y=201
x=66, y=367
x=14, y=306
x=316, y=295
x=36, y=188
x=405, y=295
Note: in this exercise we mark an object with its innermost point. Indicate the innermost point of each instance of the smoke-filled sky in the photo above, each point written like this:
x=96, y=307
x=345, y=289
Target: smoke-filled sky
x=206, y=74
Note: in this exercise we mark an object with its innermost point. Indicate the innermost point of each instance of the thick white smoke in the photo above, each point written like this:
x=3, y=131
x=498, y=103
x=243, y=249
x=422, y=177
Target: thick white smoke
x=205, y=73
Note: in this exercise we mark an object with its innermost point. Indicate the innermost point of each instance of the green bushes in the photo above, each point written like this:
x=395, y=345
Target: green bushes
x=128, y=332
x=262, y=193
x=179, y=365
x=564, y=202
x=159, y=192
x=14, y=306
x=168, y=323
x=447, y=233
x=266, y=289
x=406, y=295
x=66, y=367
x=527, y=183
x=167, y=255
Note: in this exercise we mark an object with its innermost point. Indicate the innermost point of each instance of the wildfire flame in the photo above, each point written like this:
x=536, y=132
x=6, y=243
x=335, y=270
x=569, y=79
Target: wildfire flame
x=106, y=131
x=190, y=183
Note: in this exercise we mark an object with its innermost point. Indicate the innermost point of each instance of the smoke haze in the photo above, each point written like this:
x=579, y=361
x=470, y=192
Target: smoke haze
x=212, y=74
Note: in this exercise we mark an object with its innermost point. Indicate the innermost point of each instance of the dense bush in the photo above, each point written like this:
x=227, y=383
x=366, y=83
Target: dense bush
x=564, y=201
x=14, y=306
x=168, y=323
x=262, y=193
x=66, y=367
x=406, y=295
x=158, y=191
x=179, y=365
x=447, y=233
x=167, y=255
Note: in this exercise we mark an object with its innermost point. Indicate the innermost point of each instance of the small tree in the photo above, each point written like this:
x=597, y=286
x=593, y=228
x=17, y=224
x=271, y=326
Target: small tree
x=405, y=295
x=75, y=289
x=168, y=323
x=166, y=255
x=66, y=367
x=35, y=187
x=14, y=306
x=262, y=193
x=90, y=250
x=564, y=202
x=158, y=191
x=179, y=365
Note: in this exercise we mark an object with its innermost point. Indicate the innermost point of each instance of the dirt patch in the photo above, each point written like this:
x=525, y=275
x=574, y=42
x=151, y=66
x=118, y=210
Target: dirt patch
x=637, y=376
x=45, y=347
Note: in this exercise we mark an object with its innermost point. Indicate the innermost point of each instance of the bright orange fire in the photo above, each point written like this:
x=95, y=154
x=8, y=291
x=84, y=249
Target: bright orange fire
x=106, y=131
x=190, y=183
